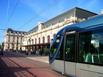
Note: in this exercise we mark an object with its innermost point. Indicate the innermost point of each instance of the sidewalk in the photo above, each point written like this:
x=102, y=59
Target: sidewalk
x=16, y=65
x=44, y=59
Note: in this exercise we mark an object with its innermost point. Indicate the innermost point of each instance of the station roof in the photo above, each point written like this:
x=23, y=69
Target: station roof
x=76, y=11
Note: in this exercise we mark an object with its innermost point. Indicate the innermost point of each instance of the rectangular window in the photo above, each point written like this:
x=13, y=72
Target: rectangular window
x=70, y=47
x=91, y=47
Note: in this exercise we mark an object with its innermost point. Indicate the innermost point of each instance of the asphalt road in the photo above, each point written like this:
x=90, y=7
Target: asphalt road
x=18, y=65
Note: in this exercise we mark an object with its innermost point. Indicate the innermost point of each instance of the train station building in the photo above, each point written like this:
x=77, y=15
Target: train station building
x=41, y=35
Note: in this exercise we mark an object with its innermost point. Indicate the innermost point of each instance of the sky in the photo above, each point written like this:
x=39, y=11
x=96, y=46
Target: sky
x=23, y=15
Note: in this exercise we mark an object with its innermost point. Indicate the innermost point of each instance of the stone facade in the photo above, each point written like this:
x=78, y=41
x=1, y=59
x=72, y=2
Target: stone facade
x=13, y=39
x=41, y=35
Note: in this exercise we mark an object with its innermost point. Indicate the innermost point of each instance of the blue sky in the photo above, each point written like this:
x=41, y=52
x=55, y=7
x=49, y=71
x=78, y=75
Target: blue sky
x=25, y=14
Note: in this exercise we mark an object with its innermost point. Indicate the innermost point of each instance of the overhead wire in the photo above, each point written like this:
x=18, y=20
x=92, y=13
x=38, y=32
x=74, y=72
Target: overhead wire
x=3, y=29
x=13, y=11
x=7, y=13
x=7, y=8
x=31, y=19
x=2, y=35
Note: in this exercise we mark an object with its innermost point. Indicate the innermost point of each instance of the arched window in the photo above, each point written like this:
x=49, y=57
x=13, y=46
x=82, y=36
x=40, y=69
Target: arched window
x=43, y=39
x=29, y=41
x=48, y=38
x=39, y=40
x=35, y=41
x=32, y=41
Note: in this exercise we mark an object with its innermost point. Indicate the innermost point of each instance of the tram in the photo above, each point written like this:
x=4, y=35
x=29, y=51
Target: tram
x=77, y=50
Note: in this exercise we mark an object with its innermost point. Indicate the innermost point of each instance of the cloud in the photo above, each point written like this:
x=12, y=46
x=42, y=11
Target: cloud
x=91, y=3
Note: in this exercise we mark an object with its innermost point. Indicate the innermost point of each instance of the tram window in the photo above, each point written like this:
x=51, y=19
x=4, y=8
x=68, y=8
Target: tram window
x=70, y=48
x=91, y=48
x=55, y=45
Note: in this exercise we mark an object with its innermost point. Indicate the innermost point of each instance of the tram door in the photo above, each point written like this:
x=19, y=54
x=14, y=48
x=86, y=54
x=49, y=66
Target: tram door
x=69, y=48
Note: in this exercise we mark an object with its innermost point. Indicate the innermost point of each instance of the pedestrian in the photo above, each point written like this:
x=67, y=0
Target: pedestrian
x=37, y=52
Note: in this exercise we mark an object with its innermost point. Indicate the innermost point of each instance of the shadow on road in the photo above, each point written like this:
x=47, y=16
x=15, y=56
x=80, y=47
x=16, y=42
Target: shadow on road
x=9, y=68
x=14, y=64
x=18, y=54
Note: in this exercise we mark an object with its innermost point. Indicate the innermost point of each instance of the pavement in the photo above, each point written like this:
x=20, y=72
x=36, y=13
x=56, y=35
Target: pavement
x=14, y=64
x=44, y=59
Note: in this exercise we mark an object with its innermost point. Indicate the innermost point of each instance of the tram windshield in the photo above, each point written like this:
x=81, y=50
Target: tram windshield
x=55, y=45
